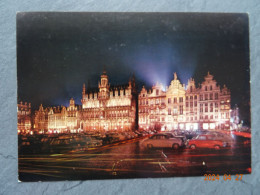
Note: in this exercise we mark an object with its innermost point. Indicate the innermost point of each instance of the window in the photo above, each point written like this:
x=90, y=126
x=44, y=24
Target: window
x=206, y=109
x=206, y=96
x=216, y=105
x=187, y=104
x=157, y=92
x=181, y=99
x=211, y=107
x=216, y=96
x=211, y=96
x=175, y=111
x=169, y=111
x=191, y=98
x=187, y=98
x=195, y=97
x=169, y=100
x=202, y=137
x=206, y=88
x=181, y=109
x=211, y=117
x=210, y=87
x=201, y=107
x=191, y=104
x=206, y=117
x=195, y=104
x=190, y=88
x=175, y=100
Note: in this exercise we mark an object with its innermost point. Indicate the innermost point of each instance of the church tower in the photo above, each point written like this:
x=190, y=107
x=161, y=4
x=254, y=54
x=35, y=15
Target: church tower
x=103, y=86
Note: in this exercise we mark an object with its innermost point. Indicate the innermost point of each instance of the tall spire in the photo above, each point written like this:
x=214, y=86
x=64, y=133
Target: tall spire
x=175, y=76
x=84, y=89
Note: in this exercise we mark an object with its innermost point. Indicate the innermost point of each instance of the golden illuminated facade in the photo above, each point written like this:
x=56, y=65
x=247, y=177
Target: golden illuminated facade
x=41, y=120
x=57, y=119
x=115, y=108
x=186, y=108
x=111, y=108
x=214, y=105
x=24, y=123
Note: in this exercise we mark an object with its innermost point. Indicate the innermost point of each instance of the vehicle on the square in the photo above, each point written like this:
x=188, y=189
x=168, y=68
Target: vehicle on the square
x=206, y=141
x=93, y=142
x=172, y=135
x=161, y=140
x=227, y=139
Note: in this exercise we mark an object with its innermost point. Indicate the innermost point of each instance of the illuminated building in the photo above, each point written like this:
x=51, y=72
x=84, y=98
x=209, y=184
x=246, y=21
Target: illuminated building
x=72, y=115
x=41, y=120
x=214, y=105
x=57, y=119
x=115, y=108
x=24, y=123
x=152, y=108
x=111, y=108
x=187, y=108
x=192, y=109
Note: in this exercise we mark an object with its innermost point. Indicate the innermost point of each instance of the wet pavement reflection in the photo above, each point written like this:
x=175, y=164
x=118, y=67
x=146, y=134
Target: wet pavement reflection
x=129, y=159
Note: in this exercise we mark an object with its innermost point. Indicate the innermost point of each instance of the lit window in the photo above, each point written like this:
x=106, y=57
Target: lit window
x=216, y=96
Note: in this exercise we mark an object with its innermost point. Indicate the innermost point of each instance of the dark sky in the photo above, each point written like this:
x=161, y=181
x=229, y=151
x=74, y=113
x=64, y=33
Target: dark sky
x=58, y=52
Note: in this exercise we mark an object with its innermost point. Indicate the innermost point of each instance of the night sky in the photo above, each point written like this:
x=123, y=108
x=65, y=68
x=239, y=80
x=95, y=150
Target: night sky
x=58, y=52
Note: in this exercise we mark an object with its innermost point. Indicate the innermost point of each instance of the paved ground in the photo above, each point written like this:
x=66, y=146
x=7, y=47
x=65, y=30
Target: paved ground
x=128, y=160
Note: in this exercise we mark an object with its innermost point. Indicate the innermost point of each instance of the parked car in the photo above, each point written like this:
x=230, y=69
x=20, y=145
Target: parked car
x=162, y=141
x=183, y=138
x=227, y=139
x=206, y=141
x=138, y=133
x=110, y=138
x=93, y=142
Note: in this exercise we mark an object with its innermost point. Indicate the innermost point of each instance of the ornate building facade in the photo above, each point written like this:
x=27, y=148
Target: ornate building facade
x=24, y=122
x=57, y=119
x=111, y=108
x=189, y=108
x=41, y=120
